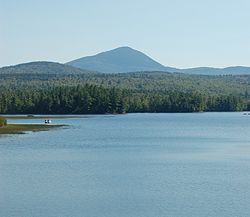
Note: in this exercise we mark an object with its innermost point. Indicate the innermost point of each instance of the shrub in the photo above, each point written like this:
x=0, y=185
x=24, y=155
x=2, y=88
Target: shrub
x=3, y=121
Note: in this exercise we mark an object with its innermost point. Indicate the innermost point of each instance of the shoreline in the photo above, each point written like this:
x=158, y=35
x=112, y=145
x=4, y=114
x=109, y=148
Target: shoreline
x=13, y=117
x=22, y=128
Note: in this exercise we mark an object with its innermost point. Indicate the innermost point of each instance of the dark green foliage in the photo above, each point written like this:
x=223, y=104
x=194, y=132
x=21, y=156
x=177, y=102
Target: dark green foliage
x=92, y=99
x=140, y=82
x=3, y=121
x=85, y=99
x=88, y=93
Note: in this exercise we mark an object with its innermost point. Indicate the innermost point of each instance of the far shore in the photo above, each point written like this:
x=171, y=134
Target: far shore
x=44, y=116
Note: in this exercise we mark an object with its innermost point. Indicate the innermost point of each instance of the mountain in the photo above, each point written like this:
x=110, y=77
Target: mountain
x=122, y=59
x=119, y=60
x=126, y=59
x=236, y=70
x=41, y=68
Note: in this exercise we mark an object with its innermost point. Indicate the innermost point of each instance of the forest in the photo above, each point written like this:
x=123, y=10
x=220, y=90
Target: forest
x=94, y=99
x=99, y=93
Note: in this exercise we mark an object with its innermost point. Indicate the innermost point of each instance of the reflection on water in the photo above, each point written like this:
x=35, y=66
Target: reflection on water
x=129, y=165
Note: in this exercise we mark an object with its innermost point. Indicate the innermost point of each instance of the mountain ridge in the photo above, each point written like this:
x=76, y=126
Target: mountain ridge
x=118, y=60
x=126, y=59
x=42, y=67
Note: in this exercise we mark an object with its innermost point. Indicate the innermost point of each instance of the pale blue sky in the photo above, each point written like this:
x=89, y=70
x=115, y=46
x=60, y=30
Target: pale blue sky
x=179, y=33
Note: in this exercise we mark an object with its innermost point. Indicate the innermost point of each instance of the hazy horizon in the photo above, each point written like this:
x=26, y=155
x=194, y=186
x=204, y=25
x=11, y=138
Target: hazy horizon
x=178, y=34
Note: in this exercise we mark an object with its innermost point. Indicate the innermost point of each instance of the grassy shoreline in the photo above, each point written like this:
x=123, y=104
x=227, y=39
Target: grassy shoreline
x=22, y=128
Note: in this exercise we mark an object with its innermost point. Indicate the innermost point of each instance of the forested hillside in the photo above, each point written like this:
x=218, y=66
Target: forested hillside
x=93, y=93
x=41, y=68
x=139, y=81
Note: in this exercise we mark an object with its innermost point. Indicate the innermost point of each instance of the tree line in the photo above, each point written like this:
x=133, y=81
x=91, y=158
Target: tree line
x=140, y=81
x=96, y=99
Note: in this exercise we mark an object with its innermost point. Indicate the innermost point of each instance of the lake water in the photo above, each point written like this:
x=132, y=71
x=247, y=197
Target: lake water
x=136, y=165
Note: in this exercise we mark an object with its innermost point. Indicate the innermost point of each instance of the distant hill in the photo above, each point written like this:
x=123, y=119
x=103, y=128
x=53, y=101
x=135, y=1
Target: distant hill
x=126, y=59
x=122, y=59
x=119, y=60
x=236, y=70
x=41, y=68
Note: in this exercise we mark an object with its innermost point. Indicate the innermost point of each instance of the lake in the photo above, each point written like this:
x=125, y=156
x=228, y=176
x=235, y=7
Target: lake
x=135, y=165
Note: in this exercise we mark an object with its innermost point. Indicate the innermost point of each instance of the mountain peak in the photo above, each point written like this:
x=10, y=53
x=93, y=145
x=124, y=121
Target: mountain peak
x=122, y=48
x=121, y=59
x=120, y=51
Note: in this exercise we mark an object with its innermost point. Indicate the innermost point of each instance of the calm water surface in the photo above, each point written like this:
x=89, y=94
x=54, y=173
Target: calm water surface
x=136, y=165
